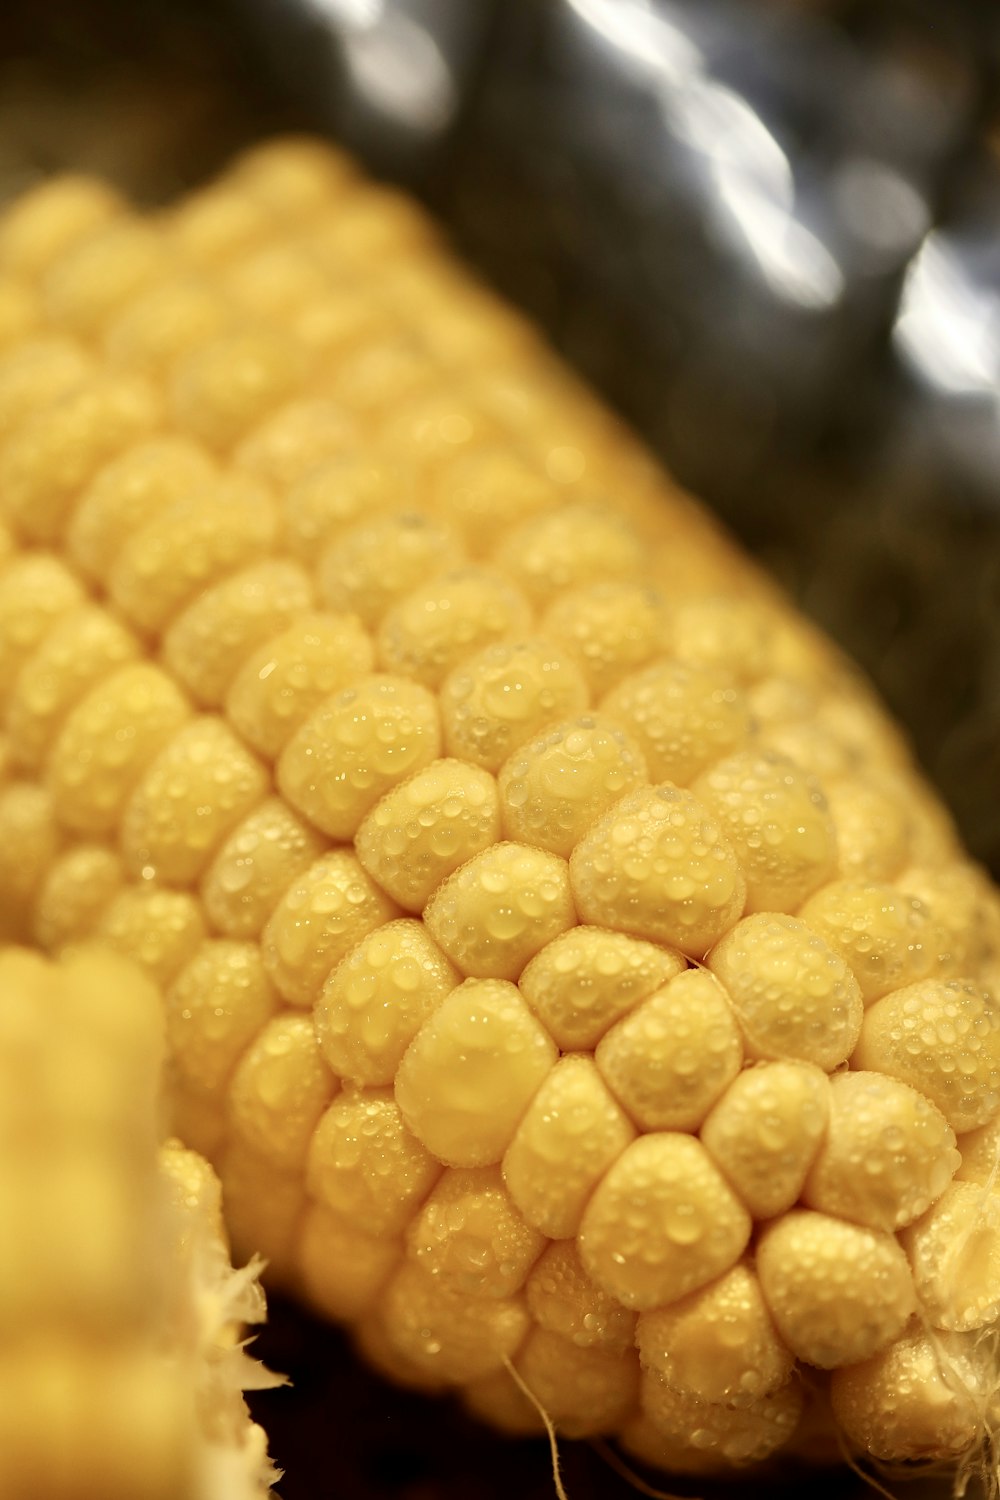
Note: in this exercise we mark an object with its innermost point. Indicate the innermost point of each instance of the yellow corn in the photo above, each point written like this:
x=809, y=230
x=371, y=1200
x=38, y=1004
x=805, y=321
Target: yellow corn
x=564, y=965
x=120, y=1366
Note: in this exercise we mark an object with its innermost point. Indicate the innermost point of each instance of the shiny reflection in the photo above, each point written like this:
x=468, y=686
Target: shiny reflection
x=400, y=69
x=948, y=327
x=746, y=176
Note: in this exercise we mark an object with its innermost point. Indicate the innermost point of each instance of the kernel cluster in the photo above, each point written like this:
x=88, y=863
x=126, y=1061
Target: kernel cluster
x=563, y=962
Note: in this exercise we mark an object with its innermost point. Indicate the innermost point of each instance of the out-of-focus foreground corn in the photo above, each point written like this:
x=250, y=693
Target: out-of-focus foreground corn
x=120, y=1364
x=564, y=965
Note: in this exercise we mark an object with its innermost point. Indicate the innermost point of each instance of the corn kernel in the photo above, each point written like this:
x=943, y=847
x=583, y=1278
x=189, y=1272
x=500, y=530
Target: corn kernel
x=943, y=1039
x=658, y=865
x=682, y=717
x=279, y=1091
x=372, y=565
x=471, y=1071
x=888, y=1153
x=837, y=1292
x=366, y=1166
x=585, y=979
x=671, y=1057
x=499, y=909
x=214, y=1010
x=424, y=829
x=376, y=1000
x=320, y=917
x=265, y=852
x=765, y=959
x=717, y=1344
x=192, y=795
x=776, y=819
x=343, y=1269
x=563, y=1299
x=505, y=695
x=355, y=747
x=436, y=626
x=448, y=1336
x=765, y=1131
x=572, y=1131
x=556, y=786
x=661, y=1223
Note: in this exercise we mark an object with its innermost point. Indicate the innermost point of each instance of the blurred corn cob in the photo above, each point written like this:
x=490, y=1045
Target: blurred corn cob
x=120, y=1367
x=366, y=683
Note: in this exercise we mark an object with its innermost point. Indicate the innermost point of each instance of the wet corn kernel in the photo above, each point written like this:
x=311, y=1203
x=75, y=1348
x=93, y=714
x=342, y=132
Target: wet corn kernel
x=108, y=740
x=36, y=373
x=208, y=643
x=736, y=1435
x=376, y=563
x=471, y=1071
x=343, y=1270
x=436, y=626
x=672, y=1056
x=222, y=388
x=214, y=1010
x=424, y=829
x=376, y=1000
x=567, y=548
x=585, y=1391
x=280, y=1088
x=942, y=1038
x=163, y=322
x=334, y=496
x=486, y=492
x=29, y=840
x=255, y=865
x=776, y=819
x=127, y=494
x=718, y=1344
x=320, y=917
x=469, y=1235
x=954, y=1250
x=886, y=938
x=610, y=628
x=288, y=677
x=658, y=865
x=888, y=1153
x=763, y=961
x=82, y=647
x=662, y=1222
x=366, y=1166
x=87, y=286
x=585, y=979
x=562, y=1299
x=445, y=1335
x=77, y=888
x=46, y=222
x=556, y=786
x=159, y=930
x=838, y=1292
x=46, y=461
x=35, y=590
x=189, y=798
x=355, y=747
x=682, y=717
x=504, y=696
x=291, y=443
x=574, y=1121
x=187, y=547
x=765, y=1131
x=499, y=909
x=909, y=1401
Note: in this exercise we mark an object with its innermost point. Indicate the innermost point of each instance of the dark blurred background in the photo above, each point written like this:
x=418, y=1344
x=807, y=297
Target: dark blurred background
x=768, y=230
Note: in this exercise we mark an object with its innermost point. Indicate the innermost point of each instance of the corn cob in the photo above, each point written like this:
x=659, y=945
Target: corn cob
x=120, y=1370
x=565, y=966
